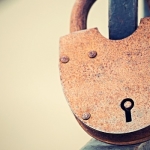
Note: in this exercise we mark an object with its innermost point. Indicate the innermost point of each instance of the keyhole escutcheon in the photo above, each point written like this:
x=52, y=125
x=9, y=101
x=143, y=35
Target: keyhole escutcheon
x=127, y=104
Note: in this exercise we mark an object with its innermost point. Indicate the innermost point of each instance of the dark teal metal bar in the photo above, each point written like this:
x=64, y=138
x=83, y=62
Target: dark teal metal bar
x=122, y=18
x=146, y=9
x=97, y=145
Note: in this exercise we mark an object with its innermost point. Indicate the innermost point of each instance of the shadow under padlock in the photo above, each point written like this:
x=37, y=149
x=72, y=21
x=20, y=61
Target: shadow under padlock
x=107, y=82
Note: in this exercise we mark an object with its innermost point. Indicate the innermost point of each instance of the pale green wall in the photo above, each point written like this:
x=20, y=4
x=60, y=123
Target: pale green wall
x=34, y=114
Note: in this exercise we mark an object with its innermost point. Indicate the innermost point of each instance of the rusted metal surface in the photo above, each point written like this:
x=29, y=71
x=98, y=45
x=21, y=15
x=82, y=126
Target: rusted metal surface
x=79, y=14
x=86, y=116
x=64, y=59
x=92, y=54
x=121, y=70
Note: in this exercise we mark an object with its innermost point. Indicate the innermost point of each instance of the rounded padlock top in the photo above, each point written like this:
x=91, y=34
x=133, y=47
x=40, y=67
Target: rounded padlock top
x=79, y=14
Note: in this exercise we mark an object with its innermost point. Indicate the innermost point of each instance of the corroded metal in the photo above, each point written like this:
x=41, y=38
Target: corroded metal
x=92, y=54
x=120, y=71
x=86, y=116
x=79, y=14
x=64, y=59
x=97, y=86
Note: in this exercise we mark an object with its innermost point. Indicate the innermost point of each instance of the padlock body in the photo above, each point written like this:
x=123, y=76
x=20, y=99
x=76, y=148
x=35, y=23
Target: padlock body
x=97, y=85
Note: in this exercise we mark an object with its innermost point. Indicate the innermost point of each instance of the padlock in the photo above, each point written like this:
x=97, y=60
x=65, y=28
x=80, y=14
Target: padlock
x=107, y=82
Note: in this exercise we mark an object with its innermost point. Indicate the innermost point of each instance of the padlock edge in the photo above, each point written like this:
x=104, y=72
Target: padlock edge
x=116, y=139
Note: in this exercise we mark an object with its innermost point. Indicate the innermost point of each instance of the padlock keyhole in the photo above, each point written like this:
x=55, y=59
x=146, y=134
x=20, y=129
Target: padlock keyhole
x=127, y=104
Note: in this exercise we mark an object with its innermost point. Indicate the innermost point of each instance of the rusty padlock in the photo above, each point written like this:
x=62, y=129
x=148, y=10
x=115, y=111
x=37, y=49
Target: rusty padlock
x=107, y=82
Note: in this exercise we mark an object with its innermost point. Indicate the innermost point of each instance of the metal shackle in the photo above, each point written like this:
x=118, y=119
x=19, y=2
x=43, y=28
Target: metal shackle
x=79, y=14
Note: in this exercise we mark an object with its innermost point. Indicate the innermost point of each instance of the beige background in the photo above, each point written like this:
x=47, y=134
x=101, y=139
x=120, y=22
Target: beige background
x=34, y=114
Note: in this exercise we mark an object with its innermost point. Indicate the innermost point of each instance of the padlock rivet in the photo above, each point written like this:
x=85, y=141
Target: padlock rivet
x=64, y=59
x=92, y=54
x=86, y=116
